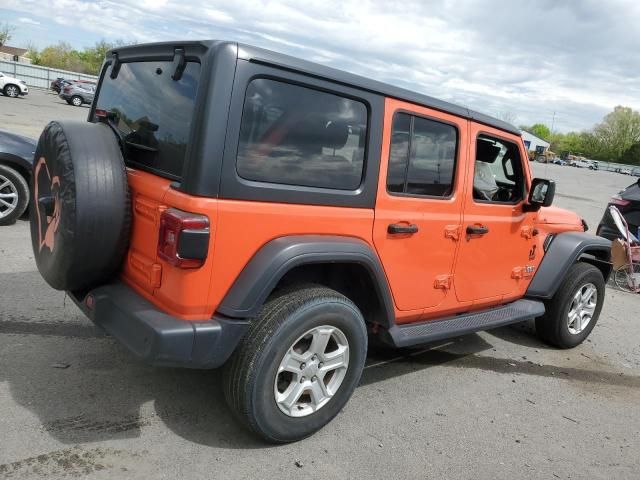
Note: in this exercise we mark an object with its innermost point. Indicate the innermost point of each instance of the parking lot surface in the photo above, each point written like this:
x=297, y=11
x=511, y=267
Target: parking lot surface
x=494, y=405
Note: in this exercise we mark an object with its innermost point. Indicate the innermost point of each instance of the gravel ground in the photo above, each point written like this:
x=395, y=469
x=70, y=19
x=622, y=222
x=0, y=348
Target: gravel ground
x=494, y=405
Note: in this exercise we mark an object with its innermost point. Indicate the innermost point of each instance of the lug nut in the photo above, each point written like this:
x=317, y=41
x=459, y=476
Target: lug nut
x=314, y=378
x=303, y=379
x=320, y=365
x=314, y=358
x=303, y=366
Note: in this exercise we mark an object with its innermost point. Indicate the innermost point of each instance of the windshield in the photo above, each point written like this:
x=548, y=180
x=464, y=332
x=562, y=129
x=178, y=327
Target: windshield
x=152, y=112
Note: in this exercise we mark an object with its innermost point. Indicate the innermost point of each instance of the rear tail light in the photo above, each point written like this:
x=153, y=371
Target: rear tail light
x=619, y=201
x=67, y=89
x=184, y=238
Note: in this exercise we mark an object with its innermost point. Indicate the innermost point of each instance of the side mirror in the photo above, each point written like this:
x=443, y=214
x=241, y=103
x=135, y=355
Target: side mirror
x=541, y=194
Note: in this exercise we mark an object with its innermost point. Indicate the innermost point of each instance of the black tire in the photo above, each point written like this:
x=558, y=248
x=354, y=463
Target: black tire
x=251, y=372
x=18, y=185
x=553, y=327
x=11, y=92
x=69, y=101
x=76, y=101
x=80, y=219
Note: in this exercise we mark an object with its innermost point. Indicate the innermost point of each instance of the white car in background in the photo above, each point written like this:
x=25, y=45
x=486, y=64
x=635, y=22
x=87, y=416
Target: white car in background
x=590, y=164
x=12, y=87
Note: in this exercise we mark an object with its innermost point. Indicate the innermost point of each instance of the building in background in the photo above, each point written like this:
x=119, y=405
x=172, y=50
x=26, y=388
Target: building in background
x=534, y=144
x=14, y=54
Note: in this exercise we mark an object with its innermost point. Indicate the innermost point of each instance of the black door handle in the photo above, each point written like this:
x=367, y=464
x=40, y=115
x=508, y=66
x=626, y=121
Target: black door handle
x=396, y=228
x=477, y=230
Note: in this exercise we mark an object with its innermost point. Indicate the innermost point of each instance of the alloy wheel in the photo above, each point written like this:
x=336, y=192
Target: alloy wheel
x=77, y=101
x=311, y=371
x=583, y=306
x=12, y=91
x=8, y=196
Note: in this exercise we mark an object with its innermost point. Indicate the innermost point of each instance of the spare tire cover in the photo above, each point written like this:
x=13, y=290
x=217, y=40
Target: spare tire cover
x=80, y=215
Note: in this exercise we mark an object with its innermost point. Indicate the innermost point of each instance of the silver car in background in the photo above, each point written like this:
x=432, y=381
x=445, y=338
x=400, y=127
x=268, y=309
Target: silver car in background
x=78, y=93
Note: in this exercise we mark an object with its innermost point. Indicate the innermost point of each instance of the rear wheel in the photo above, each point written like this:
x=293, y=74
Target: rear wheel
x=11, y=90
x=14, y=195
x=76, y=101
x=298, y=364
x=574, y=310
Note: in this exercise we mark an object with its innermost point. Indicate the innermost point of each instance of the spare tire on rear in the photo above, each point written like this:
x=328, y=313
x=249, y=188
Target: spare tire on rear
x=80, y=218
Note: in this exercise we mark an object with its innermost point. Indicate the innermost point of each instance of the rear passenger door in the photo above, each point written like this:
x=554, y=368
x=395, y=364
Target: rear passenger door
x=419, y=203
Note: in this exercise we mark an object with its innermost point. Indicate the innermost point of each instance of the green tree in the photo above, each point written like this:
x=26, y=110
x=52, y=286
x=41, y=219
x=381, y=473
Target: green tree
x=618, y=131
x=63, y=56
x=6, y=32
x=632, y=155
x=540, y=130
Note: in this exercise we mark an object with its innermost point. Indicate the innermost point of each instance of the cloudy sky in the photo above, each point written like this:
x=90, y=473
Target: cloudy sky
x=522, y=58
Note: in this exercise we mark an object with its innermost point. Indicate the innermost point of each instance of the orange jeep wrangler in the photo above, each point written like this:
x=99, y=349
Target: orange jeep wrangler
x=227, y=205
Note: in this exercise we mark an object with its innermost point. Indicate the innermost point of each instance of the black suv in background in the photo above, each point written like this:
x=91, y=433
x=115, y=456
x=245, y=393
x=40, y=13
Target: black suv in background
x=628, y=202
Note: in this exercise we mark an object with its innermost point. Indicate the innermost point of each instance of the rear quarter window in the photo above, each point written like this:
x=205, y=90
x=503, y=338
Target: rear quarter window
x=295, y=135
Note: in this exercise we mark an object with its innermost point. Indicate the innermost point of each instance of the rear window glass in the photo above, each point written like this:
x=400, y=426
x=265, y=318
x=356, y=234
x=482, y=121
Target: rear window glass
x=153, y=112
x=295, y=135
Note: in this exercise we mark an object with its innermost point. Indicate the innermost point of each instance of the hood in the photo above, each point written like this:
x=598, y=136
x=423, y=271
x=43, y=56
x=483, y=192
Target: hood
x=14, y=144
x=558, y=216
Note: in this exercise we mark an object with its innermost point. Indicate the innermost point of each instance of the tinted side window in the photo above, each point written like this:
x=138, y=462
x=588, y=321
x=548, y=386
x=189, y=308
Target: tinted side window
x=295, y=135
x=422, y=156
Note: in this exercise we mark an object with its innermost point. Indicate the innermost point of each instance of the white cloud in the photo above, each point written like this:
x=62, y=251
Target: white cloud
x=529, y=58
x=28, y=20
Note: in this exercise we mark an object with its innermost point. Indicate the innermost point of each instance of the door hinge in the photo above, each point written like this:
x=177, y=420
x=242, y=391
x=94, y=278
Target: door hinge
x=528, y=232
x=523, y=272
x=452, y=232
x=443, y=282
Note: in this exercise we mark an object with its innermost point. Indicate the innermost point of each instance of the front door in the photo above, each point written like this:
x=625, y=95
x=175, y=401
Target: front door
x=419, y=203
x=498, y=248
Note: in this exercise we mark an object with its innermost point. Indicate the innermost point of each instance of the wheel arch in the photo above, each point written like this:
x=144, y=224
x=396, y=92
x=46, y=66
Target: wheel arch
x=346, y=264
x=564, y=250
x=18, y=164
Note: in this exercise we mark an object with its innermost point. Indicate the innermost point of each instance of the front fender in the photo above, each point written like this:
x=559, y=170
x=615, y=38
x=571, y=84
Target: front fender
x=564, y=250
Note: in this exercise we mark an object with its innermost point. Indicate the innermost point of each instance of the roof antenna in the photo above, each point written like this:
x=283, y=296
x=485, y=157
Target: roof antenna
x=115, y=65
x=178, y=64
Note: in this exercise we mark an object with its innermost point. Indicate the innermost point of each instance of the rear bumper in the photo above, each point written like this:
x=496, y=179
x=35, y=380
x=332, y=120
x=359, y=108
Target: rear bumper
x=155, y=336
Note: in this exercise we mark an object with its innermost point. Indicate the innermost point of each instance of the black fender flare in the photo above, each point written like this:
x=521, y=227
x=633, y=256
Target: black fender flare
x=275, y=258
x=565, y=250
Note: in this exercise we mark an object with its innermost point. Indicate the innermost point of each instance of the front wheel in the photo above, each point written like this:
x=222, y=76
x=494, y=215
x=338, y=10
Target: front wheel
x=574, y=310
x=298, y=364
x=11, y=91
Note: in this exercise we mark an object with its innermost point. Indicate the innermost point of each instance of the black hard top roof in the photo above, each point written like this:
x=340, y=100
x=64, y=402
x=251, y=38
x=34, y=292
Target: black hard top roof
x=268, y=57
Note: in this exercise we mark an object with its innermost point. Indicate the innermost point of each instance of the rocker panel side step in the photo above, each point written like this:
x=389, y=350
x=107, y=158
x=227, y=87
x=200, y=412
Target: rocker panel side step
x=436, y=330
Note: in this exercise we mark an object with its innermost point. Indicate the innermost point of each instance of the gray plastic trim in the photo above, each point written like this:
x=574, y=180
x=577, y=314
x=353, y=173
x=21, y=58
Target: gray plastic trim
x=276, y=258
x=565, y=249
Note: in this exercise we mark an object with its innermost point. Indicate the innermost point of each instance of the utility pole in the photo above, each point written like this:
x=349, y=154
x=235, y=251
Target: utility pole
x=553, y=121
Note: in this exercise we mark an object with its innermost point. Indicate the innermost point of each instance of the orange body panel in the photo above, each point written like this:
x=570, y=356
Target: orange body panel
x=436, y=272
x=413, y=263
x=486, y=267
x=246, y=226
